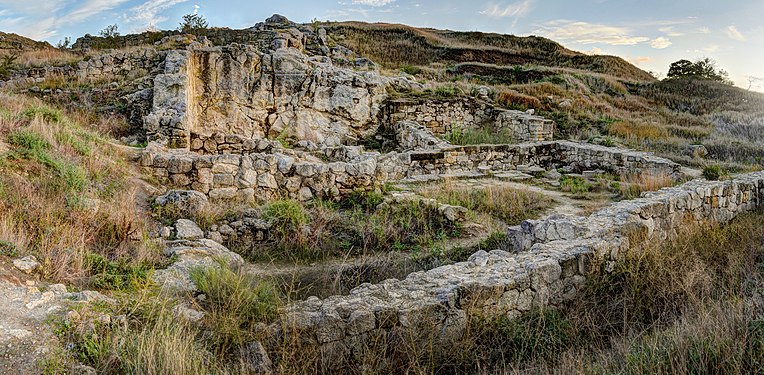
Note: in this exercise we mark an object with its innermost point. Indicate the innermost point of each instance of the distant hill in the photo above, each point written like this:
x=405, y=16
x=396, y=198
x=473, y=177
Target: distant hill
x=15, y=42
x=395, y=45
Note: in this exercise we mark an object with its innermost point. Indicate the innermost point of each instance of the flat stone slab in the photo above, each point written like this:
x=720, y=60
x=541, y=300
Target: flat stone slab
x=513, y=176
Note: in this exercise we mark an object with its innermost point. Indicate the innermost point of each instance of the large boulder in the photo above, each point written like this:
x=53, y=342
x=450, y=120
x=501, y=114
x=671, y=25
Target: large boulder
x=192, y=255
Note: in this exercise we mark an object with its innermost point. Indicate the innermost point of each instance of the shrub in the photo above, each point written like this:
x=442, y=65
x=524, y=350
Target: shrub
x=412, y=70
x=116, y=275
x=286, y=214
x=362, y=199
x=445, y=92
x=713, y=173
x=575, y=185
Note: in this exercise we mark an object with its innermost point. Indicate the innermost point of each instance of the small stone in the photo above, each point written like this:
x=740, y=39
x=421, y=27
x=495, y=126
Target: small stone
x=26, y=264
x=187, y=230
x=255, y=358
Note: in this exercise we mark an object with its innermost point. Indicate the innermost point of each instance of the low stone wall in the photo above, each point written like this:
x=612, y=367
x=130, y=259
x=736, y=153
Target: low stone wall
x=441, y=116
x=121, y=63
x=262, y=175
x=265, y=169
x=436, y=303
x=574, y=156
x=139, y=62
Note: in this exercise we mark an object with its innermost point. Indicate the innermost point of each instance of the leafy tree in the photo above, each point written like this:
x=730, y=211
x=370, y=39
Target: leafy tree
x=110, y=31
x=193, y=24
x=703, y=68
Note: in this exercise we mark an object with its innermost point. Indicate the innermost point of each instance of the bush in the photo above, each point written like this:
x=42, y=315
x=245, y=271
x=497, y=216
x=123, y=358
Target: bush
x=575, y=185
x=713, y=173
x=116, y=275
x=412, y=70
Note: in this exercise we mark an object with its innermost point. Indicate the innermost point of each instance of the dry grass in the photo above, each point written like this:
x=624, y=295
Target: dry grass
x=43, y=57
x=65, y=192
x=515, y=100
x=637, y=130
x=501, y=202
x=631, y=185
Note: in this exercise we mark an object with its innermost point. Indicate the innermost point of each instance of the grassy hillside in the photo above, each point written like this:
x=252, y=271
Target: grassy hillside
x=15, y=42
x=398, y=45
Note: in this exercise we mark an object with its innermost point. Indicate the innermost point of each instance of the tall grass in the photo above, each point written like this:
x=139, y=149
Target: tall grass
x=505, y=203
x=632, y=185
x=65, y=192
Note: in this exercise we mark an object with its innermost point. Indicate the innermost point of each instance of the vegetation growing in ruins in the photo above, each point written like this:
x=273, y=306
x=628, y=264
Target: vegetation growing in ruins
x=508, y=204
x=70, y=197
x=689, y=306
x=66, y=195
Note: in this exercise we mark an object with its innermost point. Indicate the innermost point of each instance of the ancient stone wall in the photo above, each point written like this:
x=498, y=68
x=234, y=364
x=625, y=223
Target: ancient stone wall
x=134, y=63
x=436, y=303
x=264, y=168
x=577, y=157
x=442, y=116
x=269, y=173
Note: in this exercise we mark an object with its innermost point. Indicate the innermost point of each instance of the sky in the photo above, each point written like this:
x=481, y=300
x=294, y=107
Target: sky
x=648, y=33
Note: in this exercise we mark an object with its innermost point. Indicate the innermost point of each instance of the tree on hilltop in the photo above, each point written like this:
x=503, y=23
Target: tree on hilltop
x=703, y=69
x=110, y=31
x=193, y=23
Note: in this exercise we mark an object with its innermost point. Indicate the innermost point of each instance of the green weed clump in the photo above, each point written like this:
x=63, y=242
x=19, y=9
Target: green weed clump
x=236, y=303
x=575, y=185
x=118, y=275
x=713, y=173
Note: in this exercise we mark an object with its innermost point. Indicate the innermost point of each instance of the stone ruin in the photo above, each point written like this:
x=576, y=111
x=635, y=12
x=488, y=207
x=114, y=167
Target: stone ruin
x=286, y=116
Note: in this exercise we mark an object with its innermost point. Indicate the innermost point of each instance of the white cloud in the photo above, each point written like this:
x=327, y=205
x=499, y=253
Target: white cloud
x=90, y=8
x=373, y=3
x=735, y=34
x=660, y=43
x=669, y=30
x=704, y=30
x=593, y=51
x=147, y=15
x=516, y=10
x=590, y=33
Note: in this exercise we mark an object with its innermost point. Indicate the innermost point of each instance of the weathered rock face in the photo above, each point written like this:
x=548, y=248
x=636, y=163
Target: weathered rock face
x=436, y=303
x=208, y=93
x=412, y=136
x=168, y=121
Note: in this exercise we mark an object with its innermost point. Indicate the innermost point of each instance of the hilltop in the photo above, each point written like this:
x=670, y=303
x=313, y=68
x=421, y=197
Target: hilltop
x=10, y=42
